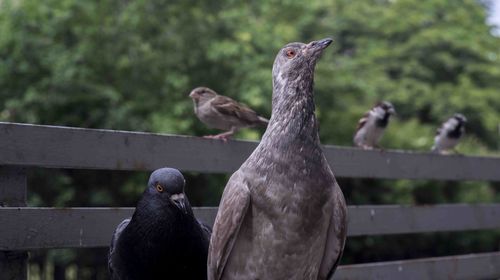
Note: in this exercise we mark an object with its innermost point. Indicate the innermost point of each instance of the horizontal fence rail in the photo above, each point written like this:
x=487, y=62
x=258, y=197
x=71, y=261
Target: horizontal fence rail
x=78, y=148
x=35, y=228
x=463, y=267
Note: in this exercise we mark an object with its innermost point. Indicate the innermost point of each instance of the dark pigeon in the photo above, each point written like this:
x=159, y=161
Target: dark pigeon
x=163, y=239
x=282, y=214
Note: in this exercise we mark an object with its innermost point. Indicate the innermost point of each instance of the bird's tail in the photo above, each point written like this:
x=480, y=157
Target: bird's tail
x=263, y=121
x=435, y=149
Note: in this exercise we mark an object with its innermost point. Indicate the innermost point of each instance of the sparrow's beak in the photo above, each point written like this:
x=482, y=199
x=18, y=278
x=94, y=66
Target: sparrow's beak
x=179, y=202
x=315, y=48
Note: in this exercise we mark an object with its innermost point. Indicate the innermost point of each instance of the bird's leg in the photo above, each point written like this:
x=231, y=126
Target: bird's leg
x=444, y=152
x=380, y=148
x=223, y=136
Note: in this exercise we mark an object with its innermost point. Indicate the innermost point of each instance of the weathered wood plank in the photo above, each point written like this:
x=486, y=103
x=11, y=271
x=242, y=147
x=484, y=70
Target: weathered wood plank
x=13, y=188
x=395, y=219
x=30, y=228
x=63, y=147
x=13, y=184
x=462, y=267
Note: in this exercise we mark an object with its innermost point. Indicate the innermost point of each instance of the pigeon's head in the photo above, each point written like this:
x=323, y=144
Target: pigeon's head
x=297, y=59
x=201, y=94
x=460, y=118
x=166, y=188
x=384, y=107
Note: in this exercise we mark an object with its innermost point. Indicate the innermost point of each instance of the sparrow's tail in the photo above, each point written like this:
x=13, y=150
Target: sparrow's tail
x=263, y=121
x=435, y=149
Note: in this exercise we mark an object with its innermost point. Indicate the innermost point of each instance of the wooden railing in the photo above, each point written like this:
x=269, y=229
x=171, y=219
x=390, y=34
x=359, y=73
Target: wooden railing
x=25, y=228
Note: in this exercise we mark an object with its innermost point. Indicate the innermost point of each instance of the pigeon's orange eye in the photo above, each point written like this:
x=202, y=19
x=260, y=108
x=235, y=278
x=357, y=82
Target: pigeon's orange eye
x=159, y=188
x=290, y=53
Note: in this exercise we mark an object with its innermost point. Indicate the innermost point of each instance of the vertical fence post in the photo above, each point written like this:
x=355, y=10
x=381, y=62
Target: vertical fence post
x=13, y=189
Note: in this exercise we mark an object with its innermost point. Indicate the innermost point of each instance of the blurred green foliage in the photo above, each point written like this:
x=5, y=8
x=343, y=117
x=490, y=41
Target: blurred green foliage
x=130, y=64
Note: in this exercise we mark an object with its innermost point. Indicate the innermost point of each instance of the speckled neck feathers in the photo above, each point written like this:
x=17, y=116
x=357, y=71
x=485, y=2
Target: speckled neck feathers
x=293, y=119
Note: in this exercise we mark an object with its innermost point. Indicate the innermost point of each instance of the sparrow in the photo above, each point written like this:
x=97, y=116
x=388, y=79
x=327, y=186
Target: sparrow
x=163, y=239
x=224, y=113
x=372, y=125
x=282, y=214
x=449, y=134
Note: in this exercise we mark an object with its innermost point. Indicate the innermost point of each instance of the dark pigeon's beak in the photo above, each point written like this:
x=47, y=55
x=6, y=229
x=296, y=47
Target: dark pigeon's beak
x=315, y=48
x=179, y=202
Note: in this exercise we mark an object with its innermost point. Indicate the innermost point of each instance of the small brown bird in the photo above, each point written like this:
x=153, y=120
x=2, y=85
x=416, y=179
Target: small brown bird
x=449, y=134
x=372, y=125
x=224, y=113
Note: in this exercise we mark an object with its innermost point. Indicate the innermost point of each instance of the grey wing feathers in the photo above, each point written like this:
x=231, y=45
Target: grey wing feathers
x=232, y=211
x=336, y=237
x=119, y=229
x=362, y=121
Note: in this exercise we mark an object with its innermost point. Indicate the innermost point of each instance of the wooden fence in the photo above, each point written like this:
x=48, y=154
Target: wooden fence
x=24, y=228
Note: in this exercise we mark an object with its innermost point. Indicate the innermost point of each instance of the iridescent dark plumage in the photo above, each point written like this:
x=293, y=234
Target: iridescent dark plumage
x=163, y=239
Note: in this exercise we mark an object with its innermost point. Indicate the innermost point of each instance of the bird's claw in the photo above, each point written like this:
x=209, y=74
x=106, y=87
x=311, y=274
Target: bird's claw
x=222, y=137
x=380, y=148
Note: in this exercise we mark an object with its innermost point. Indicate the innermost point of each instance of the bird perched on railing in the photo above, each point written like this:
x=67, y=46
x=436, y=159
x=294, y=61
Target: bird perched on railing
x=163, y=239
x=449, y=134
x=372, y=125
x=222, y=112
x=282, y=213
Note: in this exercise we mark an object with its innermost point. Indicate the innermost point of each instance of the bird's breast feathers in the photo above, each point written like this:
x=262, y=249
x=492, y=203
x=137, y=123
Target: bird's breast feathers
x=279, y=194
x=369, y=133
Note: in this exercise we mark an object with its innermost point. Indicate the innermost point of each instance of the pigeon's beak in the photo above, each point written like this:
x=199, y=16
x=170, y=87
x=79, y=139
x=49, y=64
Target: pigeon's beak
x=315, y=48
x=192, y=94
x=179, y=202
x=392, y=111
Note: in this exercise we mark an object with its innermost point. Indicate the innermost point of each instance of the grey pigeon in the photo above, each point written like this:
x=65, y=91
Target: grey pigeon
x=282, y=214
x=372, y=125
x=449, y=134
x=222, y=112
x=163, y=239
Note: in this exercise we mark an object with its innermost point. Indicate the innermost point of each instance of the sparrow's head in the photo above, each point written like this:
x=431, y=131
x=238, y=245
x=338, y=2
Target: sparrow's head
x=460, y=118
x=385, y=107
x=202, y=94
x=166, y=189
x=297, y=59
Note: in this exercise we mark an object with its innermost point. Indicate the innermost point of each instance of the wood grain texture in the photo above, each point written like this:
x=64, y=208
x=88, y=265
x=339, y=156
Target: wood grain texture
x=13, y=188
x=78, y=148
x=397, y=219
x=462, y=267
x=33, y=228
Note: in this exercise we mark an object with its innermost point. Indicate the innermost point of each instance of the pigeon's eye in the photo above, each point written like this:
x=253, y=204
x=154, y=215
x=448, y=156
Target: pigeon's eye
x=159, y=188
x=290, y=53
